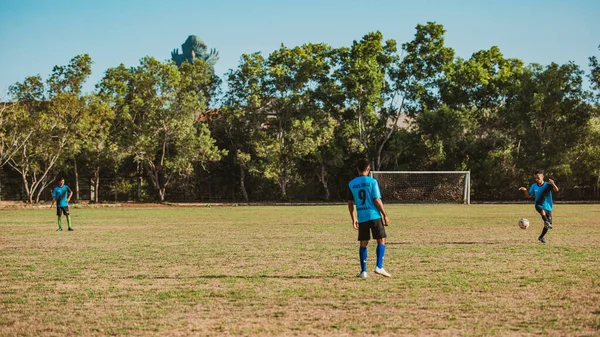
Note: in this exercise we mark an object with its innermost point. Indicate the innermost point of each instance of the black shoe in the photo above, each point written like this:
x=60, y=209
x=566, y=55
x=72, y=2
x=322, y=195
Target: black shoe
x=547, y=224
x=71, y=229
x=542, y=240
x=59, y=229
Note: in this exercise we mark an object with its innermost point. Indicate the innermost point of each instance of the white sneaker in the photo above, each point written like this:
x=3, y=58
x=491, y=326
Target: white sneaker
x=382, y=272
x=362, y=274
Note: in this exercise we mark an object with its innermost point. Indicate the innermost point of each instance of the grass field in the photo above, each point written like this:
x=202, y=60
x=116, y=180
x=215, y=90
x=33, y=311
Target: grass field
x=457, y=270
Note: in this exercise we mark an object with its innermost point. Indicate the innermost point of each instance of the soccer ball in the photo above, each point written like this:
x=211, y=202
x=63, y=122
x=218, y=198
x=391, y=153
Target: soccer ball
x=523, y=223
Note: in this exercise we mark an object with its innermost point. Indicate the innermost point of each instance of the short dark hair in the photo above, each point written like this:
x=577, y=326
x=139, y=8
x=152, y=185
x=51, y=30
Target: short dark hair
x=61, y=178
x=362, y=164
x=539, y=172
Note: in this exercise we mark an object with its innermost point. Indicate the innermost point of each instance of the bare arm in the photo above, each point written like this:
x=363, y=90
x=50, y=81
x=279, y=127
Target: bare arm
x=381, y=209
x=352, y=214
x=554, y=187
x=527, y=195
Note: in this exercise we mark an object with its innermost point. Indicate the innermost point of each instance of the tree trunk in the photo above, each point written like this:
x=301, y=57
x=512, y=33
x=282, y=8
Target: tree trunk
x=154, y=173
x=387, y=137
x=39, y=191
x=243, y=183
x=44, y=185
x=93, y=190
x=283, y=191
x=282, y=181
x=597, y=189
x=27, y=191
x=116, y=183
x=139, y=182
x=96, y=183
x=323, y=179
x=76, y=179
x=139, y=188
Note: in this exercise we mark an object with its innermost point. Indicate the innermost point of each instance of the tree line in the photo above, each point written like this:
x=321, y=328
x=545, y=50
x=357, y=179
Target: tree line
x=290, y=125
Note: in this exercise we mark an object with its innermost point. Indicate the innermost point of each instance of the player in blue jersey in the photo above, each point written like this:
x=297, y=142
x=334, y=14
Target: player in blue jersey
x=61, y=194
x=363, y=191
x=541, y=191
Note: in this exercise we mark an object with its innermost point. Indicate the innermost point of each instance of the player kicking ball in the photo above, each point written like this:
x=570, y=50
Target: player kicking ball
x=541, y=191
x=62, y=194
x=364, y=192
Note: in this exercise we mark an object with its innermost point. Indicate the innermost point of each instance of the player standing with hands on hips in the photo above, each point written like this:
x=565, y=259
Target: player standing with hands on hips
x=62, y=195
x=364, y=192
x=541, y=191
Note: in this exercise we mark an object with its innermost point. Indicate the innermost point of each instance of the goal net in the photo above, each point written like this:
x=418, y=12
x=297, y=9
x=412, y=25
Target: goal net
x=424, y=186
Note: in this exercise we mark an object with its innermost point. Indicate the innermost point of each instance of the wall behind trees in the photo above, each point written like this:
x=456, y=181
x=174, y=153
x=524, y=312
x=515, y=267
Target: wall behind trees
x=291, y=124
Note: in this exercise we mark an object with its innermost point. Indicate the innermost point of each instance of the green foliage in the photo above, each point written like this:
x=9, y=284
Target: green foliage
x=550, y=115
x=595, y=74
x=299, y=117
x=46, y=121
x=156, y=106
x=296, y=126
x=585, y=157
x=362, y=72
x=420, y=73
x=444, y=134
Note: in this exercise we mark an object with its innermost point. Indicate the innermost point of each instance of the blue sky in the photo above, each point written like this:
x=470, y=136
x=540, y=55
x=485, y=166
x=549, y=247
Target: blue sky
x=36, y=35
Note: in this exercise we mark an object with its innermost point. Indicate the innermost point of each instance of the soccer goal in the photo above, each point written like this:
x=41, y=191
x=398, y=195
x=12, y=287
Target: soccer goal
x=424, y=186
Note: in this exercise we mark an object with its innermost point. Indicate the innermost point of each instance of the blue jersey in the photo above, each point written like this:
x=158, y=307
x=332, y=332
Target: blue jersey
x=61, y=194
x=542, y=195
x=362, y=190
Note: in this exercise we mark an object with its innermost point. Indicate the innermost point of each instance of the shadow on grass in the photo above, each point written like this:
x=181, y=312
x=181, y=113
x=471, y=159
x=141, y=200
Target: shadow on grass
x=445, y=243
x=241, y=277
x=470, y=243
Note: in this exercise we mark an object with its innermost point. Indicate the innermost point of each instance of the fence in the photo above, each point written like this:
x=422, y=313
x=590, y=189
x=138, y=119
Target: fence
x=109, y=190
x=210, y=189
x=119, y=190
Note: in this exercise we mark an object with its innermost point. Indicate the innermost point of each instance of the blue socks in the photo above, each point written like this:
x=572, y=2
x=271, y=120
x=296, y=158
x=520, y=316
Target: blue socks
x=362, y=253
x=380, y=253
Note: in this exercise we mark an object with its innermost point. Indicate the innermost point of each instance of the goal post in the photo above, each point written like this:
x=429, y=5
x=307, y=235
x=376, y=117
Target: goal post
x=424, y=186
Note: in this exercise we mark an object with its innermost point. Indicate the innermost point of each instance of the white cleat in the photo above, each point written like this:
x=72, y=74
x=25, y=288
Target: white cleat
x=382, y=272
x=362, y=274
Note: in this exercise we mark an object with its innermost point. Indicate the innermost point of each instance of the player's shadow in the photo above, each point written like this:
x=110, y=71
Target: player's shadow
x=241, y=277
x=251, y=277
x=469, y=243
x=445, y=243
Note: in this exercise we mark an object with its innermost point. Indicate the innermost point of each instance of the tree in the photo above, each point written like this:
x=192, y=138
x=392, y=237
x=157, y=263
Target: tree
x=50, y=115
x=552, y=109
x=584, y=159
x=483, y=86
x=296, y=126
x=416, y=80
x=423, y=69
x=156, y=110
x=68, y=80
x=243, y=115
x=328, y=99
x=595, y=74
x=444, y=134
x=362, y=73
x=12, y=138
x=96, y=145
